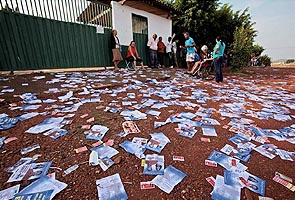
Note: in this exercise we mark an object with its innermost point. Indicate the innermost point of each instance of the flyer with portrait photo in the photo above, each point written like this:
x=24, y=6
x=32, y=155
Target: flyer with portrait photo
x=30, y=171
x=154, y=164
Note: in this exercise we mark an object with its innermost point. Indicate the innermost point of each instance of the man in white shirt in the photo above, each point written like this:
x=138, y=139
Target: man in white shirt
x=153, y=47
x=169, y=51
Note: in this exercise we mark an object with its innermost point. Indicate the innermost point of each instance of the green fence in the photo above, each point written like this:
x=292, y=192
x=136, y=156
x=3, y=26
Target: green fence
x=141, y=45
x=30, y=42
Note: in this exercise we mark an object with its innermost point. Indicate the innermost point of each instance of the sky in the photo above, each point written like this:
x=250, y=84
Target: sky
x=275, y=23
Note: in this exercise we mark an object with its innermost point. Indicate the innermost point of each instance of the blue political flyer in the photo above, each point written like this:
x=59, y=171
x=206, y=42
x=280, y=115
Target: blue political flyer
x=238, y=139
x=44, y=195
x=111, y=188
x=223, y=191
x=154, y=165
x=169, y=180
x=256, y=184
x=157, y=142
x=186, y=130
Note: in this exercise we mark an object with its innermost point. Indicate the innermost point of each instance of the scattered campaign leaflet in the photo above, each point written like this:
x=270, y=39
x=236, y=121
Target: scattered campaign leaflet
x=238, y=139
x=105, y=151
x=28, y=116
x=241, y=154
x=146, y=185
x=157, y=142
x=222, y=191
x=227, y=149
x=56, y=133
x=255, y=183
x=131, y=115
x=224, y=160
x=186, y=130
x=30, y=171
x=47, y=124
x=7, y=123
x=18, y=164
x=209, y=121
x=105, y=163
x=169, y=180
x=159, y=124
x=234, y=179
x=2, y=139
x=153, y=112
x=284, y=177
x=136, y=147
x=111, y=188
x=154, y=164
x=66, y=96
x=130, y=127
x=44, y=195
x=187, y=115
x=284, y=155
x=267, y=150
x=44, y=183
x=283, y=182
x=9, y=193
x=29, y=149
x=97, y=132
x=209, y=131
x=159, y=105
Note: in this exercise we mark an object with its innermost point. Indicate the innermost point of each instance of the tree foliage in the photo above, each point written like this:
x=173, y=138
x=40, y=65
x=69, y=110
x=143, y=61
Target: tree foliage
x=290, y=61
x=257, y=50
x=265, y=60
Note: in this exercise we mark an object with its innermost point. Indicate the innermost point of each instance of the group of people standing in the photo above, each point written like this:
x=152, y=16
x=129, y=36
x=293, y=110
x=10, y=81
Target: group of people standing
x=158, y=49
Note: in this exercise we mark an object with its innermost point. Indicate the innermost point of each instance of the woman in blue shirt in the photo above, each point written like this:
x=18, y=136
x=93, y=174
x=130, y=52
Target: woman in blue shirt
x=218, y=52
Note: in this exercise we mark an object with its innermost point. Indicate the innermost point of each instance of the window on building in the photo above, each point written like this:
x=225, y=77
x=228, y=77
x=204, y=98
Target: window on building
x=139, y=24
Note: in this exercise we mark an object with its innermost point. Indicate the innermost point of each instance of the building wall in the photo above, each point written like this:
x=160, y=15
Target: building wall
x=122, y=22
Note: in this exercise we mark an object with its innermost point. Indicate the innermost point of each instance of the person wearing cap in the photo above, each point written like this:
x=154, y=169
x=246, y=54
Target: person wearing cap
x=190, y=51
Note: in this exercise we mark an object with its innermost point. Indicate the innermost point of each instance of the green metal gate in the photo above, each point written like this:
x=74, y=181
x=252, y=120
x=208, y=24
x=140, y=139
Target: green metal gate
x=65, y=38
x=141, y=44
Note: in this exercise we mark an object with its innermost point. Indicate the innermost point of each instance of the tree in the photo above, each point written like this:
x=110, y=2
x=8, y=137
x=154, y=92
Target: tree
x=257, y=50
x=265, y=60
x=196, y=16
x=205, y=20
x=290, y=61
x=241, y=48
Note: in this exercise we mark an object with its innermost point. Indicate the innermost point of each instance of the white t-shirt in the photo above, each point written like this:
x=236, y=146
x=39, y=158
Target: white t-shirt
x=153, y=44
x=168, y=47
x=174, y=47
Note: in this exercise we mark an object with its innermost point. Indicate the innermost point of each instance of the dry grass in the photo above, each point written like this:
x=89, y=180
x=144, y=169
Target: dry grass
x=283, y=65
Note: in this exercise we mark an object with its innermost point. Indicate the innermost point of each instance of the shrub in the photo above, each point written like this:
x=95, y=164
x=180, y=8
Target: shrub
x=265, y=60
x=290, y=61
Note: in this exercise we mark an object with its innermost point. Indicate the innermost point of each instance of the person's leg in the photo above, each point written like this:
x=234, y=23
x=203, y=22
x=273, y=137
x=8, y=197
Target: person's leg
x=190, y=66
x=195, y=67
x=217, y=69
x=116, y=65
x=175, y=60
x=221, y=62
x=161, y=59
x=155, y=58
x=150, y=59
x=170, y=59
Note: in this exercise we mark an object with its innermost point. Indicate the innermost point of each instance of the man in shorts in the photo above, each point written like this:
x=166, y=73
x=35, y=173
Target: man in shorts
x=190, y=51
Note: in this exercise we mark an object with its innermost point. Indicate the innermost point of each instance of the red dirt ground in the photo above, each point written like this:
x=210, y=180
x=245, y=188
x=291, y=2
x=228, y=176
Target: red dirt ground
x=81, y=183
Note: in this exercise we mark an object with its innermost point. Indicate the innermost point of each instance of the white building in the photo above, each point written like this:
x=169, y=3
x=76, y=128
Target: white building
x=143, y=16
